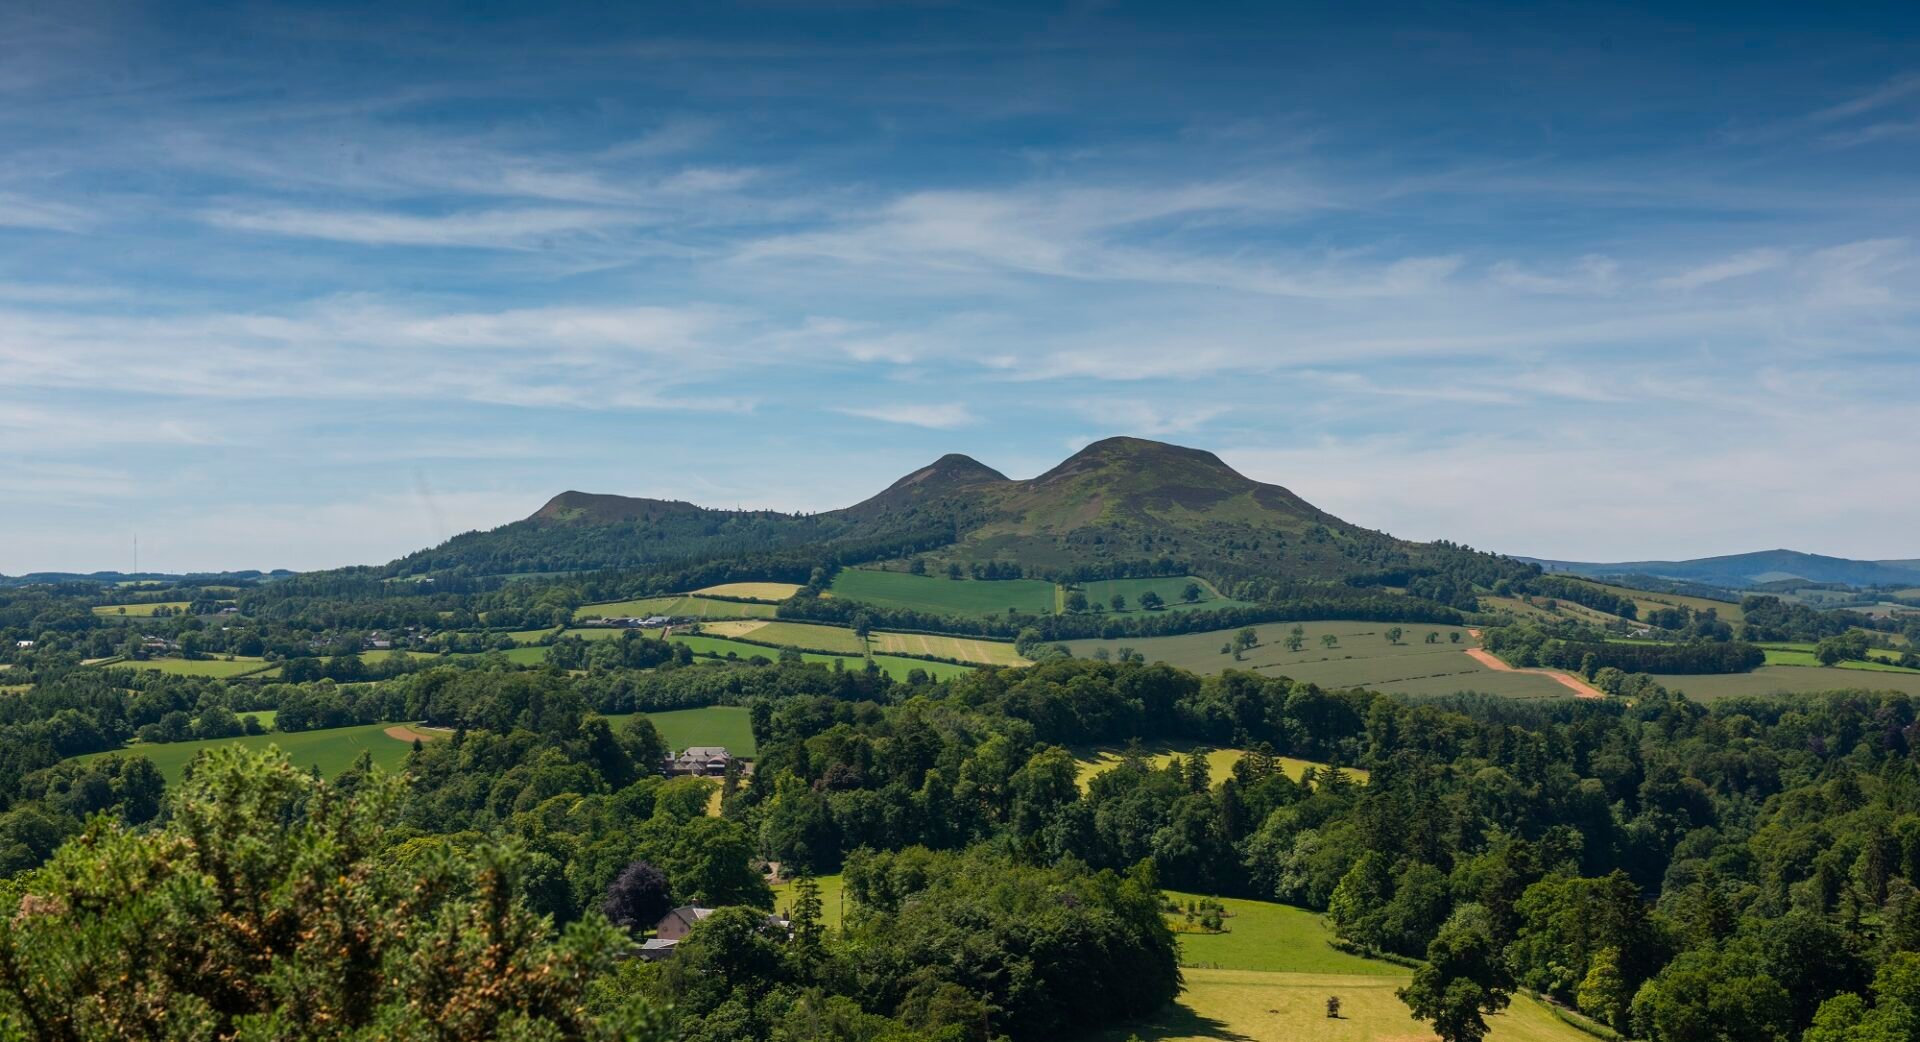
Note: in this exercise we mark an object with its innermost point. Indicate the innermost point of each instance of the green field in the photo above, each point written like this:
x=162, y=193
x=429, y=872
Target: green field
x=943, y=596
x=1783, y=680
x=534, y=656
x=1254, y=1006
x=676, y=606
x=834, y=639
x=893, y=665
x=332, y=750
x=139, y=610
x=730, y=726
x=1362, y=658
x=833, y=899
x=966, y=649
x=1792, y=656
x=753, y=591
x=1220, y=762
x=1168, y=587
x=206, y=667
x=1267, y=979
x=536, y=636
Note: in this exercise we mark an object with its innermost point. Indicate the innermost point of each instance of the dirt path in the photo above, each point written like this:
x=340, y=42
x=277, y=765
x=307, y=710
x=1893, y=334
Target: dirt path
x=1494, y=662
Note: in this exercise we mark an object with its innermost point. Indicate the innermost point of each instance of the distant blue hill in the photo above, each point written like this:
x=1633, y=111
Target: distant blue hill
x=1741, y=570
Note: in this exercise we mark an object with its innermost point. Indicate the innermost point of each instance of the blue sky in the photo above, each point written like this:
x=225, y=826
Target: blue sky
x=307, y=286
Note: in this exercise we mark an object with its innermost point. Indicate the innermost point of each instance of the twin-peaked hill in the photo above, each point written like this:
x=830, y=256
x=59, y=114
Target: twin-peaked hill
x=1111, y=507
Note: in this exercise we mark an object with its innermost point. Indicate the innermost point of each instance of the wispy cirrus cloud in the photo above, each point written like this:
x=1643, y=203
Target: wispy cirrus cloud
x=1740, y=265
x=942, y=416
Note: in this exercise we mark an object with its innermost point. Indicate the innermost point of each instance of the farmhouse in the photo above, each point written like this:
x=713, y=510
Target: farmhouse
x=677, y=924
x=23, y=643
x=699, y=761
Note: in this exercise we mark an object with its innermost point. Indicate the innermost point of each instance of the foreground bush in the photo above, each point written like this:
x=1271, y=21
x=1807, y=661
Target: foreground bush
x=263, y=909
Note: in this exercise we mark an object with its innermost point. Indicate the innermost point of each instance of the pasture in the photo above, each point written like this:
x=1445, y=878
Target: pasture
x=221, y=668
x=730, y=726
x=1789, y=680
x=1169, y=589
x=533, y=636
x=894, y=666
x=140, y=611
x=1360, y=657
x=332, y=751
x=773, y=592
x=675, y=606
x=942, y=596
x=1794, y=656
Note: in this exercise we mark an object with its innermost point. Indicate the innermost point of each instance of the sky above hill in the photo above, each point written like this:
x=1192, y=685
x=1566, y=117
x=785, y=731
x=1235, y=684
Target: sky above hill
x=304, y=286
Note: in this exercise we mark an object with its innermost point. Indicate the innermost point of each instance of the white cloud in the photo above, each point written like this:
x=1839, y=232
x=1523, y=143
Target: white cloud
x=490, y=229
x=944, y=416
x=1592, y=274
x=18, y=211
x=1740, y=265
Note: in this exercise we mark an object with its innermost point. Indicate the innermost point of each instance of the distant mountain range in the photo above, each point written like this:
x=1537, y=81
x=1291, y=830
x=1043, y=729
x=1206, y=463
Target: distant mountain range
x=1736, y=571
x=1116, y=503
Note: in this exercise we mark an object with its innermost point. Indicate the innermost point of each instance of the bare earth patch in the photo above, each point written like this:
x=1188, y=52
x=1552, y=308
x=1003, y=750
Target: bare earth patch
x=1495, y=663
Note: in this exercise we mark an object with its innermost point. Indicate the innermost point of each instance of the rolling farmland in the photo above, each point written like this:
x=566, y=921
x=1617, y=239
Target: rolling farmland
x=944, y=596
x=1169, y=589
x=1362, y=657
x=238, y=666
x=1783, y=680
x=677, y=606
x=140, y=611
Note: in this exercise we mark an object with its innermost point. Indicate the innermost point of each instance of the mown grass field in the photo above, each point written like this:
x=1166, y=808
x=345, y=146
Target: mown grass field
x=1267, y=979
x=1647, y=601
x=533, y=636
x=1362, y=657
x=679, y=605
x=804, y=635
x=753, y=591
x=730, y=726
x=1785, y=680
x=139, y=611
x=943, y=596
x=893, y=665
x=1255, y=1006
x=1100, y=759
x=966, y=649
x=1168, y=587
x=207, y=667
x=840, y=640
x=331, y=750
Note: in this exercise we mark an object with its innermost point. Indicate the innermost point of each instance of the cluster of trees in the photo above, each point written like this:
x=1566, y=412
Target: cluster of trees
x=1564, y=589
x=1569, y=648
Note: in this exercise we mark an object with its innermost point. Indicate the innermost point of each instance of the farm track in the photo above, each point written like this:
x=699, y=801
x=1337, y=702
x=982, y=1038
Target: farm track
x=1568, y=680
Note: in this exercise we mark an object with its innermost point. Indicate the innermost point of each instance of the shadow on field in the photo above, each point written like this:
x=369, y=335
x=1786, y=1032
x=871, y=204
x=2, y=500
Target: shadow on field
x=1178, y=1021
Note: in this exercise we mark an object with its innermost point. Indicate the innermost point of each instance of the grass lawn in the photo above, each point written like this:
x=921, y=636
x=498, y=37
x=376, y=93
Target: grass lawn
x=1220, y=762
x=1361, y=657
x=753, y=591
x=210, y=667
x=833, y=893
x=941, y=595
x=1277, y=938
x=332, y=750
x=677, y=606
x=730, y=726
x=139, y=610
x=534, y=656
x=532, y=636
